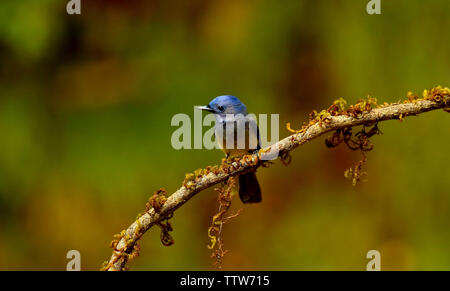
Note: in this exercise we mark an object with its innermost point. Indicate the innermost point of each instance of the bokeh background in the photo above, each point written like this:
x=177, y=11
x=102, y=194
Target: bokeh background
x=85, y=109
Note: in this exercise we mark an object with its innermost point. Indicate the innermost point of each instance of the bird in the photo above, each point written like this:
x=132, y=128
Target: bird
x=237, y=134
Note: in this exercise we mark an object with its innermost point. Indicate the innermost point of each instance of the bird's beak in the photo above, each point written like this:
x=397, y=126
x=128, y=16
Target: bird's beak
x=207, y=108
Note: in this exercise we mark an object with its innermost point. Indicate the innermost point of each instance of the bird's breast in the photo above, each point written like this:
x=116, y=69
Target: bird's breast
x=237, y=137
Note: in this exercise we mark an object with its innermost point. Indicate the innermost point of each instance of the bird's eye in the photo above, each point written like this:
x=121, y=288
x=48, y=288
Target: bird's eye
x=220, y=108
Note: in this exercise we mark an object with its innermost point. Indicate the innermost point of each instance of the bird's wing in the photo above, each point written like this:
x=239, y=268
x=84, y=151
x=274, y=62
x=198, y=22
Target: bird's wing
x=253, y=135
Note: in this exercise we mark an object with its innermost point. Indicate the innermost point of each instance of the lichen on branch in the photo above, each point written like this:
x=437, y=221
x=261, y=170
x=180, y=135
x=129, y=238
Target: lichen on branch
x=337, y=117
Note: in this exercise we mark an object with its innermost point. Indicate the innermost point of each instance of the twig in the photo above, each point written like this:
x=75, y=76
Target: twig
x=331, y=120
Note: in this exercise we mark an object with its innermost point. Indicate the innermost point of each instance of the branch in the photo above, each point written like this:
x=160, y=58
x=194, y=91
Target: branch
x=335, y=118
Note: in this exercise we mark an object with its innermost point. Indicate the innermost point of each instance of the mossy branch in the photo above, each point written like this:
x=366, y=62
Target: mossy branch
x=365, y=112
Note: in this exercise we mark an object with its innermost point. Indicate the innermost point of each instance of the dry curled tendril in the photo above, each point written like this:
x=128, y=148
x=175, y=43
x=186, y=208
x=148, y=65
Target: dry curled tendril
x=359, y=141
x=156, y=202
x=225, y=195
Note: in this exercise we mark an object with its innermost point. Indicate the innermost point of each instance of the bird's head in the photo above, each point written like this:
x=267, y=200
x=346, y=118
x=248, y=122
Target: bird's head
x=225, y=104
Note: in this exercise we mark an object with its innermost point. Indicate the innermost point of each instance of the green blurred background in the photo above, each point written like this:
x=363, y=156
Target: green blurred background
x=85, y=109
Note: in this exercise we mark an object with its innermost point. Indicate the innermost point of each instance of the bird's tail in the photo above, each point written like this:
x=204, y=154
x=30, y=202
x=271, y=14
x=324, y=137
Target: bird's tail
x=249, y=190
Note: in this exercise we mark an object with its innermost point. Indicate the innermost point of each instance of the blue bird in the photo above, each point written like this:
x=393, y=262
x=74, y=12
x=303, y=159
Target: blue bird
x=237, y=134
